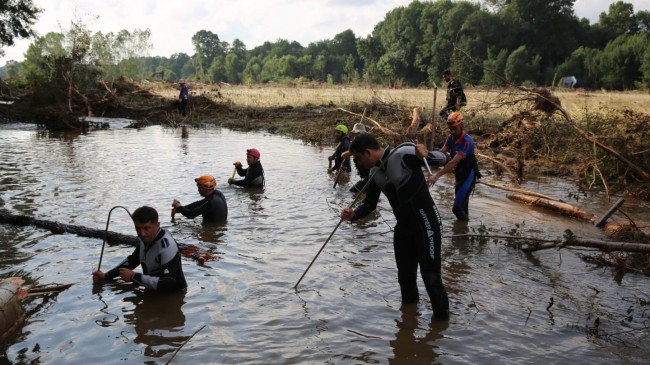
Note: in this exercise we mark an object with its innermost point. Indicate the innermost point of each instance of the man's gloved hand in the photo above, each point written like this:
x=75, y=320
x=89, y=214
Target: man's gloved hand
x=176, y=204
x=230, y=181
x=237, y=164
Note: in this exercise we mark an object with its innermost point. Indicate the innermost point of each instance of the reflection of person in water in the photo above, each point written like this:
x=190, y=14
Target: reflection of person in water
x=409, y=349
x=159, y=321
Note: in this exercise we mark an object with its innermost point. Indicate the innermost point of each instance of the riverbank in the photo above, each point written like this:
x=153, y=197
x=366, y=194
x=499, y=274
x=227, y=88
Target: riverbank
x=516, y=132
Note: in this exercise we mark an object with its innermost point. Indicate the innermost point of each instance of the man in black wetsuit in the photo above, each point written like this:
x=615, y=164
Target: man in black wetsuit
x=364, y=172
x=341, y=133
x=157, y=252
x=212, y=207
x=417, y=240
x=455, y=95
x=254, y=174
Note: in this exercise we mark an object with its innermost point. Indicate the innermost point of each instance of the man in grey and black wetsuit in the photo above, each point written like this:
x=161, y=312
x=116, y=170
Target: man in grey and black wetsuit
x=417, y=240
x=158, y=254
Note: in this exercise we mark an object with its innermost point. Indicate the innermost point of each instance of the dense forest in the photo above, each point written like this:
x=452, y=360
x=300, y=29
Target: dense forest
x=524, y=42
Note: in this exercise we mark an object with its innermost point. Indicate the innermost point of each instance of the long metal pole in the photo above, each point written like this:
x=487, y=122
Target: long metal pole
x=106, y=233
x=356, y=198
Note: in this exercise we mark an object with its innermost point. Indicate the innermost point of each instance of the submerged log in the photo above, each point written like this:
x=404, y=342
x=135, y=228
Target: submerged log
x=601, y=245
x=190, y=251
x=532, y=244
x=601, y=222
x=59, y=228
x=563, y=208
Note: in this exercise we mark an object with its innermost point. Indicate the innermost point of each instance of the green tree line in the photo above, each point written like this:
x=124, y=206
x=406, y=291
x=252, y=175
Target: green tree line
x=525, y=42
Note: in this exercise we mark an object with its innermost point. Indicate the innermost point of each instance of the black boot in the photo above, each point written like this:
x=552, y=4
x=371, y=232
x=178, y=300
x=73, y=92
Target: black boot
x=440, y=304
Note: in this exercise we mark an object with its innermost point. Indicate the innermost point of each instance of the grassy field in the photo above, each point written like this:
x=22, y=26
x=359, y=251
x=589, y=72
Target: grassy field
x=480, y=101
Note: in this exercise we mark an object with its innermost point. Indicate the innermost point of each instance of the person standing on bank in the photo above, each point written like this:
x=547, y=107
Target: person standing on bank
x=455, y=95
x=183, y=97
x=341, y=133
x=460, y=147
x=364, y=172
x=417, y=239
x=212, y=207
x=253, y=175
x=158, y=254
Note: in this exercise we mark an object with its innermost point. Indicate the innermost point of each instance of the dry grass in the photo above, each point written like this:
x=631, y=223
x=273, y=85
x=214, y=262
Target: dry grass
x=483, y=102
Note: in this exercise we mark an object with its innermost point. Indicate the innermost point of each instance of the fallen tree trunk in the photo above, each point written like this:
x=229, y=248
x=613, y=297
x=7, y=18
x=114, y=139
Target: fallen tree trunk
x=545, y=244
x=564, y=208
x=522, y=191
x=376, y=124
x=59, y=228
x=601, y=245
x=12, y=315
x=111, y=237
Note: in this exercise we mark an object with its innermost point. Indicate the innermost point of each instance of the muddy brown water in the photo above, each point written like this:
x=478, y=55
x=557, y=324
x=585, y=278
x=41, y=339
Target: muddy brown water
x=242, y=308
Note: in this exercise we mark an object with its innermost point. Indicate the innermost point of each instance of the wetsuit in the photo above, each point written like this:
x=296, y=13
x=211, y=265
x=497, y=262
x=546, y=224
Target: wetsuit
x=343, y=146
x=161, y=264
x=253, y=175
x=454, y=92
x=417, y=238
x=466, y=173
x=213, y=208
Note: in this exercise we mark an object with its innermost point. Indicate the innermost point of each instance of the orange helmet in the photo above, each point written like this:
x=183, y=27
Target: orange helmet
x=253, y=152
x=206, y=182
x=454, y=119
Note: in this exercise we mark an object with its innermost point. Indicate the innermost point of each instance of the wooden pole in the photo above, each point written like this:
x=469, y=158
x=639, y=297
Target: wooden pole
x=432, y=143
x=612, y=210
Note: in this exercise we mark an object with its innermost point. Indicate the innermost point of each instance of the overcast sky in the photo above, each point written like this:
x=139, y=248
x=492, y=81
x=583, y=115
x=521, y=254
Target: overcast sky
x=173, y=23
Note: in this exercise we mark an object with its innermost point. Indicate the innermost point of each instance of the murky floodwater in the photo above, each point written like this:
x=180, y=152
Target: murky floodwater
x=242, y=308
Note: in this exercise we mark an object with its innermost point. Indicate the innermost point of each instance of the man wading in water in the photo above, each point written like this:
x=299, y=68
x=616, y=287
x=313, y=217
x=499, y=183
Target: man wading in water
x=158, y=254
x=417, y=240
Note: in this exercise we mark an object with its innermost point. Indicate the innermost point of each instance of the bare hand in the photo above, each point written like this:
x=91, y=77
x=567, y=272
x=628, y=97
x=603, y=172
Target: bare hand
x=420, y=149
x=345, y=154
x=237, y=164
x=98, y=276
x=126, y=274
x=347, y=214
x=329, y=170
x=176, y=204
x=432, y=180
x=230, y=181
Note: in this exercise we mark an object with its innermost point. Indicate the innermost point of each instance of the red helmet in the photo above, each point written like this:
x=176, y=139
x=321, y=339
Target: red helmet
x=206, y=182
x=253, y=152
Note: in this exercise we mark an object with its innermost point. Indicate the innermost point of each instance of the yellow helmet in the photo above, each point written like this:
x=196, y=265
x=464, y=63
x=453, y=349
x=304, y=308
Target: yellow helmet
x=206, y=182
x=341, y=128
x=454, y=119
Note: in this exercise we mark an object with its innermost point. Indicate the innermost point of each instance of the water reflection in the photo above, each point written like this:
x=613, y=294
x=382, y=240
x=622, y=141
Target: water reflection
x=158, y=319
x=409, y=346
